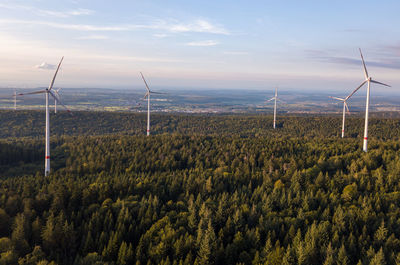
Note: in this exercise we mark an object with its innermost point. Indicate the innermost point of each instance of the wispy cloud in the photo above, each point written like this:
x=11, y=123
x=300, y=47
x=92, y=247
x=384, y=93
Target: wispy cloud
x=93, y=37
x=80, y=55
x=77, y=12
x=45, y=66
x=203, y=43
x=235, y=53
x=46, y=12
x=78, y=27
x=125, y=58
x=160, y=36
x=389, y=62
x=198, y=26
x=393, y=49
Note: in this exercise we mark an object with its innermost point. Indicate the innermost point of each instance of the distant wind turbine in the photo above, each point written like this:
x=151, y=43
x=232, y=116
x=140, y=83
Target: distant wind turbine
x=368, y=80
x=15, y=99
x=275, y=98
x=148, y=102
x=48, y=91
x=56, y=98
x=345, y=107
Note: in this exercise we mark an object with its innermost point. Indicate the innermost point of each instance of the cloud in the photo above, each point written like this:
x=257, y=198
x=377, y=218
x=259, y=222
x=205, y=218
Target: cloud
x=45, y=66
x=160, y=36
x=198, y=26
x=93, y=37
x=31, y=49
x=393, y=50
x=173, y=26
x=204, y=43
x=78, y=27
x=390, y=62
x=125, y=58
x=46, y=12
x=235, y=53
x=70, y=13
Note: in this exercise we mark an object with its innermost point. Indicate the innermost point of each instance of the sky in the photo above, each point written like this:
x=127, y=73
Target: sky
x=236, y=44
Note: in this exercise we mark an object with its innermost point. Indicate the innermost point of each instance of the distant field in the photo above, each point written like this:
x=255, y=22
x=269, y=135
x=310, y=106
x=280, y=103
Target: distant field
x=204, y=101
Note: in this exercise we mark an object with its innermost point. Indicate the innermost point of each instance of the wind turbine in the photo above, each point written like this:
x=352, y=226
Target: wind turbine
x=48, y=91
x=56, y=99
x=15, y=99
x=368, y=80
x=275, y=98
x=148, y=102
x=345, y=107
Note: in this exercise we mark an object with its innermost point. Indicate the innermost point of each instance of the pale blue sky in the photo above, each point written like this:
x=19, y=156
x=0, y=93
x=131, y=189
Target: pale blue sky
x=199, y=44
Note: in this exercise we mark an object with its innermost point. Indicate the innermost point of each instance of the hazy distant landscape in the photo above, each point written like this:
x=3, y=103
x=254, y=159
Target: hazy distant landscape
x=205, y=100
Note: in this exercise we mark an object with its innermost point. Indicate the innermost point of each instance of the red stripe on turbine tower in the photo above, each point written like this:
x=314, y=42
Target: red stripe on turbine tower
x=365, y=138
x=47, y=157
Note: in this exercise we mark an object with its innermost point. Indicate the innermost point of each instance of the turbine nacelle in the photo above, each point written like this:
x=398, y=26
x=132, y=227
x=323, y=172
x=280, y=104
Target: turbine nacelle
x=148, y=89
x=367, y=77
x=344, y=100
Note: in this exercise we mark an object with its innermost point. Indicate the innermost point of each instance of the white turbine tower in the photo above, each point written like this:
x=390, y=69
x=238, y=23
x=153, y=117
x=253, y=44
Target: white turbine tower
x=15, y=99
x=48, y=91
x=275, y=98
x=368, y=80
x=344, y=100
x=56, y=99
x=148, y=102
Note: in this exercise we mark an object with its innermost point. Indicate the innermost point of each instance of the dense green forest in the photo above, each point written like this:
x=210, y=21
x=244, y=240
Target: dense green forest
x=205, y=189
x=31, y=124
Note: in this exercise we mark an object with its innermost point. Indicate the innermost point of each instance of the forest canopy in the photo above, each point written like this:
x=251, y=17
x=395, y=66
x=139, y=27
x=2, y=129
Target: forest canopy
x=216, y=189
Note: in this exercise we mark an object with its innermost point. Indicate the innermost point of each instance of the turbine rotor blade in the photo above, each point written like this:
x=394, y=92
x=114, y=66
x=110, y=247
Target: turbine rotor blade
x=31, y=93
x=144, y=80
x=365, y=68
x=270, y=99
x=152, y=92
x=355, y=90
x=376, y=82
x=59, y=102
x=55, y=74
x=341, y=99
x=347, y=107
x=56, y=93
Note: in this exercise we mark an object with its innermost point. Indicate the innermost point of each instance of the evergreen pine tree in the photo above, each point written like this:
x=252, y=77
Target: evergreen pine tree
x=342, y=256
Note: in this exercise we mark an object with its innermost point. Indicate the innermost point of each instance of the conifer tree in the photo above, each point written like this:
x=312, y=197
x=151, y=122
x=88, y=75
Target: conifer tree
x=342, y=256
